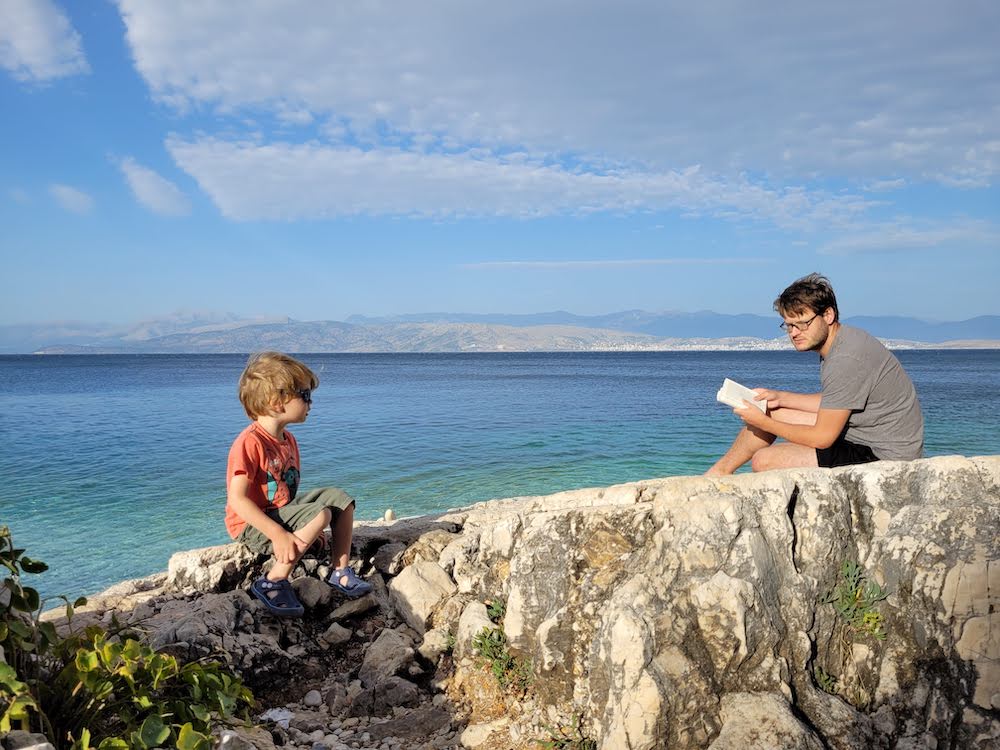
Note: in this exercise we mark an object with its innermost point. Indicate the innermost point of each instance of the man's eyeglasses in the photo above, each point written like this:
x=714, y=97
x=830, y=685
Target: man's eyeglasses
x=800, y=327
x=305, y=394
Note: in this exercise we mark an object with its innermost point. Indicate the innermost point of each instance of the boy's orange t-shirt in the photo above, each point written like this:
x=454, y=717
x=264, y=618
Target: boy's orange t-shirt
x=272, y=466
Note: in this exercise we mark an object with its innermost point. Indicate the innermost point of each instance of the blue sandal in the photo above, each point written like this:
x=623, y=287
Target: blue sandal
x=354, y=587
x=278, y=596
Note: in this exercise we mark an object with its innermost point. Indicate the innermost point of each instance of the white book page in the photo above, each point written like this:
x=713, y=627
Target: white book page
x=733, y=394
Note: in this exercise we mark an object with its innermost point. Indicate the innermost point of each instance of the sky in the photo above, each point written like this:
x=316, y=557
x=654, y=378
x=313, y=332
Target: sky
x=318, y=160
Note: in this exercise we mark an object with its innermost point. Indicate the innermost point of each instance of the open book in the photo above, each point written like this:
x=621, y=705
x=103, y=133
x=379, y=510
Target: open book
x=733, y=394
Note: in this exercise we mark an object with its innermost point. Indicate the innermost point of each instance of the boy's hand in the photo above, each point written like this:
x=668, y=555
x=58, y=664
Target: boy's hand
x=287, y=547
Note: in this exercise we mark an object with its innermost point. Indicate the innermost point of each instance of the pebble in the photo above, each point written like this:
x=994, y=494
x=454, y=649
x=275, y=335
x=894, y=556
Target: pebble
x=313, y=699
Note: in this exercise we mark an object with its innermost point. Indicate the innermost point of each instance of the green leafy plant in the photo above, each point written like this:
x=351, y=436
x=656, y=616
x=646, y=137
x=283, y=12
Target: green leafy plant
x=567, y=738
x=511, y=671
x=855, y=600
x=98, y=689
x=826, y=682
x=496, y=609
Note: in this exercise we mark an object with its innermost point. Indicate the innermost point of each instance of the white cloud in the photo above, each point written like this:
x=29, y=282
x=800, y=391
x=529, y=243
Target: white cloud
x=561, y=265
x=906, y=236
x=156, y=193
x=885, y=186
x=841, y=89
x=71, y=199
x=281, y=181
x=38, y=43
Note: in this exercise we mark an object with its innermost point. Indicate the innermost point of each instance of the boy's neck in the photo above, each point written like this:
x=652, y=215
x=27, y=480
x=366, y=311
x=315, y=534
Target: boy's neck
x=273, y=426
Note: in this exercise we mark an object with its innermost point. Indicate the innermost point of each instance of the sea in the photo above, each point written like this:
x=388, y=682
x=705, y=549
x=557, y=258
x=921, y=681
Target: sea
x=116, y=462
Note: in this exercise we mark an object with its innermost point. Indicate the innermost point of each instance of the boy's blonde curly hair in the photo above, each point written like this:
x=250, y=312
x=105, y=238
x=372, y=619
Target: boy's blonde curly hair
x=272, y=377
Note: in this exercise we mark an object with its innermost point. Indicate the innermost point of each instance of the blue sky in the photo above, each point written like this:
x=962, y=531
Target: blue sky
x=317, y=160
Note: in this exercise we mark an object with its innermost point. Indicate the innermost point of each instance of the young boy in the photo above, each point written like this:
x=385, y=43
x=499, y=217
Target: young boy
x=263, y=510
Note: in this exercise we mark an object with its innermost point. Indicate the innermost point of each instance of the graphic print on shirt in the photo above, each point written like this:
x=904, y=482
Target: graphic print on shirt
x=282, y=480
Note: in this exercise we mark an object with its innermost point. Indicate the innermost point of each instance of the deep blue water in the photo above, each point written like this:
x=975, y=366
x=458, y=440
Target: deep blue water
x=115, y=462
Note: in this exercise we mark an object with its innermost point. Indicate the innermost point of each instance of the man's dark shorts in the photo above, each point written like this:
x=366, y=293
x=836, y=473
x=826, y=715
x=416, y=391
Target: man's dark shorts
x=296, y=514
x=844, y=453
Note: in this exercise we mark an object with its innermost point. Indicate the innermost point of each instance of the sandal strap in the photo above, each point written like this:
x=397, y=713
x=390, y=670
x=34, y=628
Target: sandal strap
x=278, y=596
x=348, y=573
x=266, y=584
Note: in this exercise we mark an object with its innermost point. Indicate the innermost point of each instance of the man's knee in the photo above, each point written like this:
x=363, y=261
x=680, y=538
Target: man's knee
x=763, y=460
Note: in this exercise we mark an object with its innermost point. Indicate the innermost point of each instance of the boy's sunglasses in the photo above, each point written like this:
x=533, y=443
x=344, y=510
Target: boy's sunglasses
x=305, y=394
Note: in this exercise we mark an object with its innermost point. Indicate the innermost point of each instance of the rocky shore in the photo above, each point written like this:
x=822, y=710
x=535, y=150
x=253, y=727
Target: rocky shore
x=686, y=612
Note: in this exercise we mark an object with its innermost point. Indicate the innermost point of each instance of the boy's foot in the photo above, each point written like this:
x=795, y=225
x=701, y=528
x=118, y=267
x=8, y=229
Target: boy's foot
x=278, y=596
x=346, y=581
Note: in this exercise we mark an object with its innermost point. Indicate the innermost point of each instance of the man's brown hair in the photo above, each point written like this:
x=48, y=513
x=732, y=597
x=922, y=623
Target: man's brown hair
x=271, y=377
x=810, y=293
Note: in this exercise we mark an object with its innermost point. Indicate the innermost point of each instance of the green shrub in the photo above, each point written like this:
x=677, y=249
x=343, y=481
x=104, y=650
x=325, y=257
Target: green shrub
x=490, y=644
x=100, y=689
x=827, y=682
x=496, y=609
x=855, y=599
x=567, y=738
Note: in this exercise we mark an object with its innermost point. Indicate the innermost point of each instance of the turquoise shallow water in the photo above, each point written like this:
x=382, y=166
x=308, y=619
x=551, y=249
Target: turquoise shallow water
x=115, y=462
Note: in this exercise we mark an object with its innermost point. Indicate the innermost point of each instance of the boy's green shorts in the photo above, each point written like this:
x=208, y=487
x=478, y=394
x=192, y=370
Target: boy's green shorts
x=296, y=514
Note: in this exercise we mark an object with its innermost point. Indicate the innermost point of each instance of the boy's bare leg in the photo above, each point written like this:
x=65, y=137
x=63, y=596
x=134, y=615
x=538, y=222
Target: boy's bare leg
x=308, y=534
x=340, y=548
x=750, y=442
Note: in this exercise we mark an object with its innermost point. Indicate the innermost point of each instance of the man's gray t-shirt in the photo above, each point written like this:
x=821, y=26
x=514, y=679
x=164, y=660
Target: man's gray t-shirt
x=860, y=374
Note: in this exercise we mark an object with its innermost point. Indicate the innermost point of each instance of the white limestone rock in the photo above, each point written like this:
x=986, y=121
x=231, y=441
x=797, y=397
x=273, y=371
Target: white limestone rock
x=417, y=590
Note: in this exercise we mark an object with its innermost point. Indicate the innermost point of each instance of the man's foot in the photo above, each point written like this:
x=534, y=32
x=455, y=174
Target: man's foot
x=346, y=581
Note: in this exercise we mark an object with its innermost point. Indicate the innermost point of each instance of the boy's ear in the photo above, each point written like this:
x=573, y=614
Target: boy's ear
x=276, y=407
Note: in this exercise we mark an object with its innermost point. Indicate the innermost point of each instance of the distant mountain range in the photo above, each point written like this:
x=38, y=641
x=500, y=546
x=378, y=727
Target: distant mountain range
x=443, y=332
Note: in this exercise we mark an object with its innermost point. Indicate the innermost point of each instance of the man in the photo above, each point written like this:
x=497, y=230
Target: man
x=867, y=409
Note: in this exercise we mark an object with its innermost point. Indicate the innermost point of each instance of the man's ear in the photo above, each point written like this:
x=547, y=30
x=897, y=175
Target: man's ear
x=829, y=315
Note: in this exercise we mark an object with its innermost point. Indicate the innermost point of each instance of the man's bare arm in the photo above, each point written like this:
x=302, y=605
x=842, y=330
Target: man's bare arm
x=829, y=424
x=808, y=402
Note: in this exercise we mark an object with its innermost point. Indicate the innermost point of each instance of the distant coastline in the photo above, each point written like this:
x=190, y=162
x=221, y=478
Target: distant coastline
x=679, y=345
x=633, y=330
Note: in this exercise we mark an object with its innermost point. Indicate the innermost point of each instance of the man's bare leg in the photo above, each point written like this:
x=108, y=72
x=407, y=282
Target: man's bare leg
x=784, y=456
x=750, y=442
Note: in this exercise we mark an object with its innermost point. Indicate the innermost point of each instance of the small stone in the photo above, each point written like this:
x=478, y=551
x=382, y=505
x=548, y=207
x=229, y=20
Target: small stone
x=313, y=699
x=390, y=515
x=336, y=634
x=20, y=740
